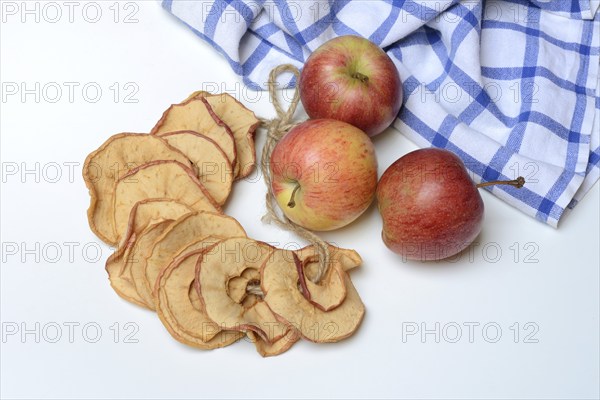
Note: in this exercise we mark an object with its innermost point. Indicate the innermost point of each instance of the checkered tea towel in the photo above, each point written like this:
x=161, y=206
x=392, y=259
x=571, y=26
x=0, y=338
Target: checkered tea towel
x=511, y=86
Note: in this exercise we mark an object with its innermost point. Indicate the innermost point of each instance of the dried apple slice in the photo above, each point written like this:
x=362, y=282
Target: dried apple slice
x=196, y=115
x=149, y=211
x=243, y=124
x=237, y=285
x=264, y=348
x=115, y=267
x=159, y=180
x=209, y=162
x=203, y=243
x=279, y=283
x=103, y=167
x=120, y=264
x=347, y=259
x=228, y=259
x=249, y=301
x=189, y=229
x=145, y=213
x=330, y=292
x=276, y=348
x=195, y=95
x=179, y=311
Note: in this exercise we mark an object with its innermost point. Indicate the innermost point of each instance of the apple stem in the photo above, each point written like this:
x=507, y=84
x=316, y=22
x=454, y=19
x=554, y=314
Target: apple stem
x=518, y=183
x=292, y=202
x=361, y=77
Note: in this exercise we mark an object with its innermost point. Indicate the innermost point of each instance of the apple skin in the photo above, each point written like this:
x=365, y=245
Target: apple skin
x=334, y=164
x=329, y=88
x=430, y=207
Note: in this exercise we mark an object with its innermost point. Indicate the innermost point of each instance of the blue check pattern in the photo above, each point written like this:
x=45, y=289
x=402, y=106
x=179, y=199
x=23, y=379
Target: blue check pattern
x=511, y=86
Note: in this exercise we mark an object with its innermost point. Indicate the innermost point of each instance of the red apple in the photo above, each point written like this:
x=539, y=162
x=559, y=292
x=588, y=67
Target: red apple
x=351, y=79
x=430, y=207
x=324, y=174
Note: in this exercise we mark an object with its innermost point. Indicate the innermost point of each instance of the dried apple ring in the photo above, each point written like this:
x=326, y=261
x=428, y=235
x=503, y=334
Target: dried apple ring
x=103, y=167
x=228, y=259
x=187, y=230
x=280, y=284
x=187, y=322
x=209, y=162
x=196, y=115
x=241, y=121
x=159, y=180
x=330, y=292
x=120, y=267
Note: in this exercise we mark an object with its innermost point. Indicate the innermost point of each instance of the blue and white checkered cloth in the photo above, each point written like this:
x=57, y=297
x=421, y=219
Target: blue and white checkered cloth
x=511, y=86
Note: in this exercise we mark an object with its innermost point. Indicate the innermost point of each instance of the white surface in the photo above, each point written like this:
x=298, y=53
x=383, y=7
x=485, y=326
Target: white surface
x=558, y=293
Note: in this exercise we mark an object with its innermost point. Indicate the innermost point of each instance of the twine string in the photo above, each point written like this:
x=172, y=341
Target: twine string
x=276, y=129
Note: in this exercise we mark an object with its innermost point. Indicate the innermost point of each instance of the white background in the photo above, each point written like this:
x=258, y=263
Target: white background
x=552, y=282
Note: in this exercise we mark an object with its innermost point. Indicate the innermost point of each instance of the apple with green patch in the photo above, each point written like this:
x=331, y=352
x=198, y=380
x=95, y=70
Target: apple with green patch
x=324, y=174
x=353, y=80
